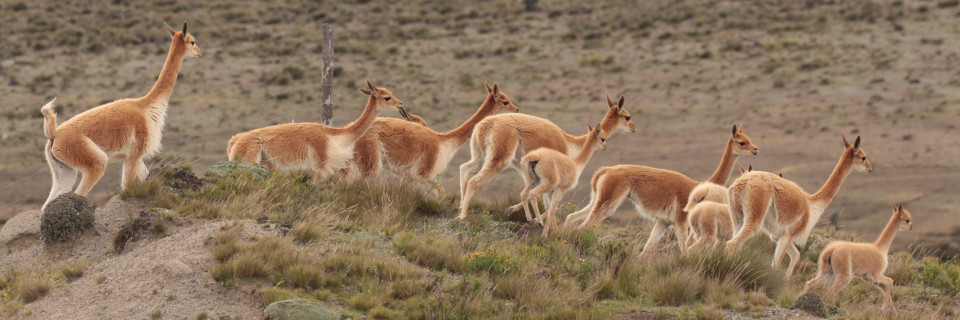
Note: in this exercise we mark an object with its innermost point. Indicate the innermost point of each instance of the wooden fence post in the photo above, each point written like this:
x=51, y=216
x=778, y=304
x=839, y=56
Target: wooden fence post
x=326, y=85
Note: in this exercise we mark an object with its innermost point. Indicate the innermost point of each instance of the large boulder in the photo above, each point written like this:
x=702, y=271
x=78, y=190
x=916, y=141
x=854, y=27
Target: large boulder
x=66, y=216
x=299, y=309
x=24, y=224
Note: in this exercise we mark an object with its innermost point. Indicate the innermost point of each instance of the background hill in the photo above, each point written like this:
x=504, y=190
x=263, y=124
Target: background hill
x=797, y=74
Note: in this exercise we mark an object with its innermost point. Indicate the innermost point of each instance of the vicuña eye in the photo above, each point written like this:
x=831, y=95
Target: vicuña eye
x=506, y=102
x=386, y=99
x=908, y=220
x=626, y=118
x=193, y=42
x=743, y=144
x=863, y=159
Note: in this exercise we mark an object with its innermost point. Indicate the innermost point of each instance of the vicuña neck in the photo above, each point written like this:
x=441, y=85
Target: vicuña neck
x=832, y=186
x=586, y=151
x=722, y=174
x=356, y=128
x=886, y=238
x=168, y=76
x=462, y=133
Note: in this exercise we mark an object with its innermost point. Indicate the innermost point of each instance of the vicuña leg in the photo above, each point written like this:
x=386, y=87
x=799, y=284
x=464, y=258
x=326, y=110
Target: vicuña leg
x=608, y=200
x=64, y=177
x=794, y=257
x=550, y=221
x=132, y=168
x=93, y=169
x=493, y=164
x=754, y=212
x=659, y=229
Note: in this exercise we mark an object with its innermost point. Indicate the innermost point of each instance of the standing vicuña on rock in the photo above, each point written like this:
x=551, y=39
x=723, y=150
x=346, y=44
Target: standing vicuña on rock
x=841, y=260
x=500, y=141
x=792, y=212
x=555, y=173
x=124, y=130
x=418, y=150
x=310, y=146
x=658, y=194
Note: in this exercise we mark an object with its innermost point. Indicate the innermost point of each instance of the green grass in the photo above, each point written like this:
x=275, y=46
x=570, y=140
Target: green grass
x=383, y=250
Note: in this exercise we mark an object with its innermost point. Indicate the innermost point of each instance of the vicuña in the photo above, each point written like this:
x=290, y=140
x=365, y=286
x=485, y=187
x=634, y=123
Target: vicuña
x=842, y=260
x=125, y=130
x=781, y=209
x=554, y=173
x=310, y=146
x=659, y=195
x=417, y=150
x=500, y=141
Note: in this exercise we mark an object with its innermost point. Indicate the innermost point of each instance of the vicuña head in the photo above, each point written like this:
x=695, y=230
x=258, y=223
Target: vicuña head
x=193, y=51
x=501, y=99
x=743, y=145
x=860, y=162
x=383, y=98
x=623, y=122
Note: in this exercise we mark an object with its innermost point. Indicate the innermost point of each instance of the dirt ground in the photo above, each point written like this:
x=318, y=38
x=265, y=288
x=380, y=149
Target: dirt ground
x=796, y=74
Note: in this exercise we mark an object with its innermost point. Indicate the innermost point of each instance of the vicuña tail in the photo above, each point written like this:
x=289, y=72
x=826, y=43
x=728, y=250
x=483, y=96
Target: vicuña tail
x=49, y=120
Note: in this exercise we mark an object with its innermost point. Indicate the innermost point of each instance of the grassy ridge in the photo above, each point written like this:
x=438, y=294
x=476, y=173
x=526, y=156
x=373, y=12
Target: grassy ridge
x=386, y=250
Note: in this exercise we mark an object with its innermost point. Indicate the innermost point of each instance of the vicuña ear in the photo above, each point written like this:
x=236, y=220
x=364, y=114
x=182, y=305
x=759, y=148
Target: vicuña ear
x=404, y=114
x=589, y=127
x=496, y=90
x=742, y=170
x=169, y=29
x=750, y=168
x=740, y=130
x=373, y=89
x=489, y=89
x=846, y=144
x=366, y=91
x=620, y=104
x=184, y=28
x=856, y=144
x=609, y=102
x=734, y=130
x=900, y=209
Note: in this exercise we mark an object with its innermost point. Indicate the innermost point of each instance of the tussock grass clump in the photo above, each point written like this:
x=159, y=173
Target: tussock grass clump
x=434, y=252
x=271, y=295
x=32, y=288
x=677, y=279
x=307, y=231
x=73, y=270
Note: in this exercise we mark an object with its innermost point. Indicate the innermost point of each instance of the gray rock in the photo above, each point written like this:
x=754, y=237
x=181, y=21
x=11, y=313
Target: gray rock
x=176, y=268
x=24, y=224
x=811, y=303
x=299, y=309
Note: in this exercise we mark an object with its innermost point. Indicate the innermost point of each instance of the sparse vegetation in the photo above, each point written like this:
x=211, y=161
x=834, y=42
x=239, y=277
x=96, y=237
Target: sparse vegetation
x=805, y=68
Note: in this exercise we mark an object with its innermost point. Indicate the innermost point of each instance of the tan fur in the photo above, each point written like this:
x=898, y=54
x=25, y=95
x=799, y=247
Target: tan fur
x=310, y=146
x=842, y=260
x=500, y=141
x=124, y=130
x=554, y=173
x=659, y=195
x=708, y=215
x=781, y=209
x=417, y=150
